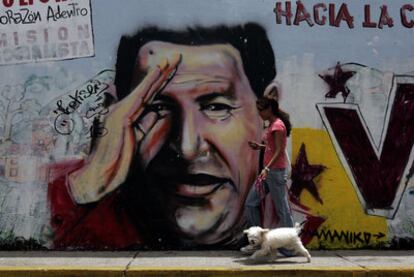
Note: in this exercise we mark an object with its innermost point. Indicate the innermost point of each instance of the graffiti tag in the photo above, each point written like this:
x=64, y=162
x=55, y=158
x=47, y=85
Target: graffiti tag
x=87, y=103
x=99, y=109
x=92, y=88
x=64, y=125
x=97, y=129
x=348, y=237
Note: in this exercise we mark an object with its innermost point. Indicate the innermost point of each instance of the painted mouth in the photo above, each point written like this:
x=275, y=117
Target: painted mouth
x=187, y=190
x=200, y=186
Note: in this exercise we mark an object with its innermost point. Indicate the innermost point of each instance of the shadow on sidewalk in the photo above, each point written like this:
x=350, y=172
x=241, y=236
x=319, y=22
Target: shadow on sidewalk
x=204, y=253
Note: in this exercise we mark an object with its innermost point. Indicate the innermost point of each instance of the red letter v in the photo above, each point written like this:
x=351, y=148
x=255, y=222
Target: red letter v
x=379, y=175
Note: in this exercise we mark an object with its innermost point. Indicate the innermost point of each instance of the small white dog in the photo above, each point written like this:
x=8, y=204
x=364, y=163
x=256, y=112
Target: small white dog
x=268, y=241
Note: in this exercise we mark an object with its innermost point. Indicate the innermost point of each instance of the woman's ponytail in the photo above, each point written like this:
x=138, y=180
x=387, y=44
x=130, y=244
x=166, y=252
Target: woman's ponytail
x=266, y=102
x=284, y=116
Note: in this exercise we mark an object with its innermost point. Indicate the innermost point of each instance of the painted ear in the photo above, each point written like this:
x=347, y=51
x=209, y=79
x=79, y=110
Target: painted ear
x=273, y=90
x=264, y=230
x=245, y=231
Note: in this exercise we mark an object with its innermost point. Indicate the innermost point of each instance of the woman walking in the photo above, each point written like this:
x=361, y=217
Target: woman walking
x=275, y=164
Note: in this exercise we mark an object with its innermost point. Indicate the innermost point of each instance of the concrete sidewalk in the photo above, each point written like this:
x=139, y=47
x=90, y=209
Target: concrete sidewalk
x=205, y=263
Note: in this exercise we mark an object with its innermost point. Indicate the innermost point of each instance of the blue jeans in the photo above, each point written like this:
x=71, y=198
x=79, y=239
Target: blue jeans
x=275, y=183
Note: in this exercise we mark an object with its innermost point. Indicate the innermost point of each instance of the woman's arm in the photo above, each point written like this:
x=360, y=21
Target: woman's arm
x=256, y=146
x=278, y=139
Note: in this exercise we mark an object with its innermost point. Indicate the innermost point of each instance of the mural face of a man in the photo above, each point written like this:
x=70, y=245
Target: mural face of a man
x=200, y=173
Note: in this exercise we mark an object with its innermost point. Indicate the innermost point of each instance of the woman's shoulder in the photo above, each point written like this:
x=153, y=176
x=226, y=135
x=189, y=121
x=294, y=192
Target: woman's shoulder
x=278, y=125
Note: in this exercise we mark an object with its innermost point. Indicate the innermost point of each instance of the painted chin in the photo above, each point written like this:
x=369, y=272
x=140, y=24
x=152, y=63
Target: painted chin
x=203, y=208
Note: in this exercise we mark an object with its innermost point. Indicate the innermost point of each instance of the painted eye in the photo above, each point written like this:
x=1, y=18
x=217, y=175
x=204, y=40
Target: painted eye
x=160, y=108
x=217, y=110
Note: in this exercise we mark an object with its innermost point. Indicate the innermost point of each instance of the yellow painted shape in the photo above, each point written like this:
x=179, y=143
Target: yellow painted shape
x=341, y=206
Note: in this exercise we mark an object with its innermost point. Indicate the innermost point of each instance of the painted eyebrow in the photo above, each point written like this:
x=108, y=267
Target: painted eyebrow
x=162, y=97
x=229, y=94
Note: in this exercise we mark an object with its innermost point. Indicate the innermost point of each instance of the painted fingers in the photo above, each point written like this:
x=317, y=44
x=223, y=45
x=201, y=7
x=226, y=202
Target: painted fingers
x=152, y=85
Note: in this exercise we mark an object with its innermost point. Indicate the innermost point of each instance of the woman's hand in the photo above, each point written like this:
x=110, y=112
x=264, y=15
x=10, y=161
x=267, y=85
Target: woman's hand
x=264, y=173
x=255, y=145
x=109, y=164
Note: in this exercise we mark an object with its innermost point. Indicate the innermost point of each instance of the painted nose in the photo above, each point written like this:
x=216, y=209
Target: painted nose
x=192, y=142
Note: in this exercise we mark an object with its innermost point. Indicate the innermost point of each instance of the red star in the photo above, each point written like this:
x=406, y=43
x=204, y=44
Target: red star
x=312, y=223
x=302, y=177
x=337, y=82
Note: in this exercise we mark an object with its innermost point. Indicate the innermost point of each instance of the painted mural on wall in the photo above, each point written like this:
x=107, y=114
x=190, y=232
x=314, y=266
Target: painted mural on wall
x=133, y=134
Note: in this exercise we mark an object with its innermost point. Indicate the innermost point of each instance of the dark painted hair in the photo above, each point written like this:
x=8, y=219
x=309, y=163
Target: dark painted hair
x=266, y=102
x=250, y=40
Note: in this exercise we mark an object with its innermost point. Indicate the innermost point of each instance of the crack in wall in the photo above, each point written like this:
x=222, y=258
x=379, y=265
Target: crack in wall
x=125, y=272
